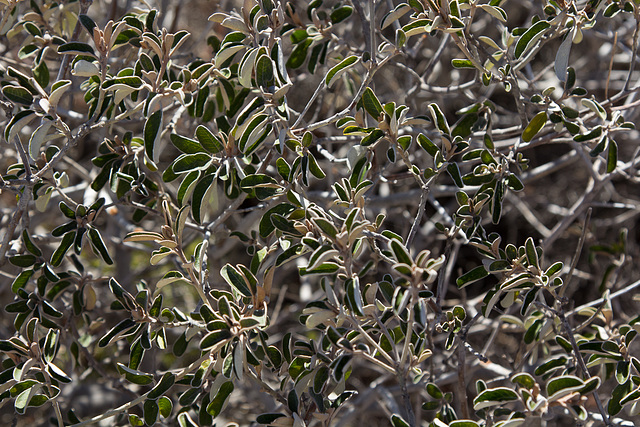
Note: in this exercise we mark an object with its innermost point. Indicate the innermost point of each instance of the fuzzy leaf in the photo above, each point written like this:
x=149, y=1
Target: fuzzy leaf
x=336, y=72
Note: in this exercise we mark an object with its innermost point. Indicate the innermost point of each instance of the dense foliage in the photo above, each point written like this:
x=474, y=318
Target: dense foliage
x=319, y=213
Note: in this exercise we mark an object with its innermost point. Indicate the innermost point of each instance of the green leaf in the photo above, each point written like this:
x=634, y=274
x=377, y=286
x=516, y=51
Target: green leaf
x=427, y=145
x=293, y=402
x=494, y=11
x=268, y=418
x=401, y=38
x=21, y=280
x=134, y=376
x=371, y=103
x=190, y=162
x=532, y=254
x=354, y=296
x=150, y=411
x=434, y=391
x=50, y=345
x=186, y=145
x=463, y=423
x=201, y=195
x=263, y=190
x=314, y=168
x=398, y=421
x=493, y=397
x=614, y=406
x=98, y=244
x=218, y=402
x=612, y=156
x=165, y=383
x=339, y=366
x=151, y=132
x=18, y=94
x=594, y=106
x=336, y=72
x=469, y=277
x=38, y=138
x=340, y=14
x=327, y=227
x=208, y=140
x=530, y=37
x=266, y=226
x=395, y=14
x=76, y=48
x=535, y=125
x=299, y=54
x=284, y=225
x=187, y=186
x=514, y=183
x=214, y=338
x=462, y=63
x=562, y=386
x=320, y=378
x=454, y=172
x=23, y=261
x=590, y=385
x=551, y=365
x=622, y=371
x=136, y=353
x=122, y=327
x=401, y=253
x=184, y=420
x=633, y=396
x=165, y=405
x=592, y=134
x=65, y=244
x=600, y=146
x=296, y=367
x=27, y=50
x=87, y=23
x=189, y=397
x=235, y=279
x=133, y=82
x=439, y=118
x=432, y=405
x=253, y=133
x=41, y=74
x=18, y=122
x=372, y=138
x=564, y=343
x=264, y=71
x=533, y=332
x=180, y=345
x=524, y=379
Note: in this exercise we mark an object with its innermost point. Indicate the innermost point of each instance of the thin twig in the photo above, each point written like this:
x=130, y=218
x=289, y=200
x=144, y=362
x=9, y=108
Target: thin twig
x=613, y=52
x=416, y=221
x=356, y=98
x=576, y=255
x=634, y=54
x=66, y=59
x=583, y=366
x=131, y=404
x=462, y=384
x=614, y=295
x=575, y=210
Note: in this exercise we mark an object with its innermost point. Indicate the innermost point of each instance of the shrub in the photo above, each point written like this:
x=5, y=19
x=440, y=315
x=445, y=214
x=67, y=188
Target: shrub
x=319, y=214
